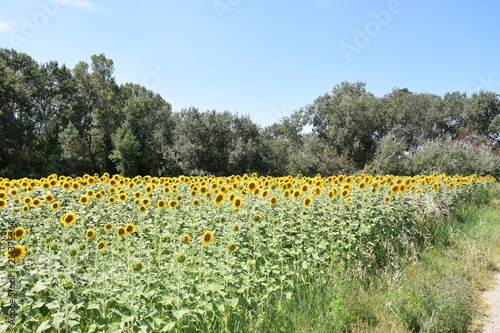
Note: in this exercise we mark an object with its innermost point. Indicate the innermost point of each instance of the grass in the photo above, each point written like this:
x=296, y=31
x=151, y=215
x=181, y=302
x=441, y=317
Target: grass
x=440, y=291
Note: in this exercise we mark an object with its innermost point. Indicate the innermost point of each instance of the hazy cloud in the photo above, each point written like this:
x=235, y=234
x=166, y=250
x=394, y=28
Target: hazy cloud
x=6, y=26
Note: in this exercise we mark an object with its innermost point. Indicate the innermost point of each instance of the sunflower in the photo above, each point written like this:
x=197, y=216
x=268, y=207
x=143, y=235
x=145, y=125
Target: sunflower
x=237, y=202
x=145, y=202
x=394, y=189
x=219, y=198
x=36, y=202
x=273, y=201
x=196, y=202
x=332, y=193
x=48, y=197
x=11, y=234
x=186, y=239
x=307, y=201
x=19, y=232
x=120, y=231
x=361, y=186
x=98, y=195
x=108, y=226
x=130, y=228
x=111, y=200
x=55, y=205
x=83, y=200
x=122, y=196
x=296, y=194
x=265, y=193
x=142, y=209
x=15, y=253
x=207, y=237
x=75, y=186
x=348, y=201
x=68, y=218
x=172, y=203
x=304, y=188
x=137, y=195
x=387, y=199
x=286, y=194
x=256, y=218
x=13, y=192
x=344, y=193
x=3, y=203
x=90, y=234
x=161, y=203
x=27, y=200
x=402, y=188
x=26, y=208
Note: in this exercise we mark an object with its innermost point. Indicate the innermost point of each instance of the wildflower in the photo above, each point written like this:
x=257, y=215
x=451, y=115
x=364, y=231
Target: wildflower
x=90, y=234
x=15, y=253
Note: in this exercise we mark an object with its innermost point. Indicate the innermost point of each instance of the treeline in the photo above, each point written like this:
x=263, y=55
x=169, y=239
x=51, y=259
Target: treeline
x=74, y=121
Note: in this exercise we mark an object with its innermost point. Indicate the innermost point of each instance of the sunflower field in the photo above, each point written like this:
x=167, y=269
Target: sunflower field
x=107, y=253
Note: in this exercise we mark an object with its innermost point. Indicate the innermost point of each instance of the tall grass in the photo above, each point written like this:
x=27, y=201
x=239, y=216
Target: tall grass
x=439, y=290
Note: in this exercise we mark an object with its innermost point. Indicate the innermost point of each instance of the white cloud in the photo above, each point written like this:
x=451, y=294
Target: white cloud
x=6, y=26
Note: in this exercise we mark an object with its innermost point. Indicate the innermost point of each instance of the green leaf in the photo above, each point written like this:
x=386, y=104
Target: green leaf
x=93, y=306
x=39, y=286
x=178, y=314
x=168, y=327
x=44, y=326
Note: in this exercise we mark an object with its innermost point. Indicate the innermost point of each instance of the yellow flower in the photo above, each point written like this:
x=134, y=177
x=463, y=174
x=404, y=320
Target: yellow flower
x=111, y=200
x=26, y=208
x=120, y=231
x=161, y=204
x=55, y=205
x=196, y=202
x=219, y=198
x=273, y=201
x=142, y=209
x=186, y=239
x=83, y=200
x=101, y=244
x=348, y=201
x=15, y=253
x=122, y=196
x=68, y=218
x=90, y=234
x=108, y=226
x=237, y=202
x=49, y=198
x=307, y=201
x=13, y=192
x=146, y=201
x=130, y=228
x=172, y=203
x=207, y=237
x=387, y=199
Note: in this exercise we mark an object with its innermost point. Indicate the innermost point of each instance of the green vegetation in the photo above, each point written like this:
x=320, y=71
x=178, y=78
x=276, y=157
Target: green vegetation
x=74, y=121
x=438, y=291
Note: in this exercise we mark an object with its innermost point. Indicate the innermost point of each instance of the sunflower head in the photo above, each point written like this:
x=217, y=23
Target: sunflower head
x=172, y=203
x=307, y=202
x=161, y=203
x=273, y=201
x=130, y=228
x=120, y=231
x=186, y=239
x=207, y=237
x=68, y=218
x=107, y=226
x=90, y=234
x=237, y=202
x=15, y=253
x=101, y=244
x=219, y=198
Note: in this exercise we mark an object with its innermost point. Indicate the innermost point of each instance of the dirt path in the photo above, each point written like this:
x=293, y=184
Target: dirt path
x=493, y=298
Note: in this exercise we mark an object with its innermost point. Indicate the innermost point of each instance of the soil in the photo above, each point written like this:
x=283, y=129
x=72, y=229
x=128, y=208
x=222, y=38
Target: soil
x=493, y=299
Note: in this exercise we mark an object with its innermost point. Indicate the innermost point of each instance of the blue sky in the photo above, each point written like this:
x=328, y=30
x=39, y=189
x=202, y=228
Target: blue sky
x=266, y=58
